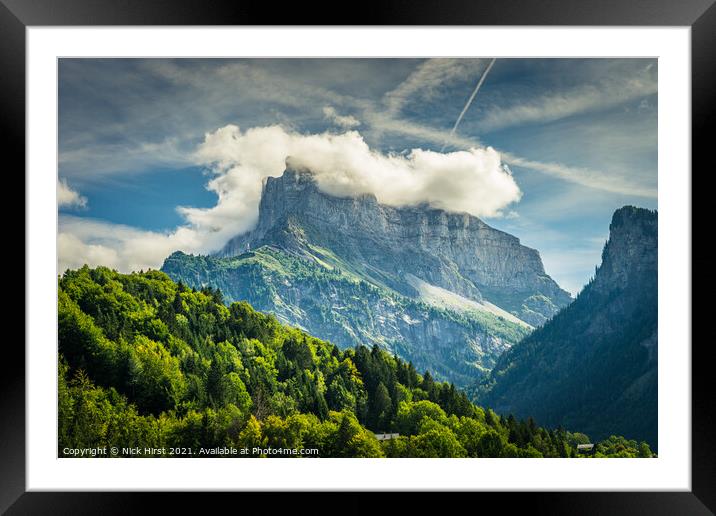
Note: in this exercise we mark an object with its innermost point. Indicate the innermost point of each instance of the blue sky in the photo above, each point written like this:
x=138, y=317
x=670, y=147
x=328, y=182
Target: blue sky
x=157, y=155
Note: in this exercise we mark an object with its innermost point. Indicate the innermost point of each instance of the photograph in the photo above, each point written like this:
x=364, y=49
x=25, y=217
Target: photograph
x=442, y=257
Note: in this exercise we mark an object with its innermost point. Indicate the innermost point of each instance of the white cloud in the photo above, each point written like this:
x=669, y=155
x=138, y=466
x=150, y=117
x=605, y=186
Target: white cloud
x=345, y=121
x=82, y=240
x=472, y=181
x=69, y=198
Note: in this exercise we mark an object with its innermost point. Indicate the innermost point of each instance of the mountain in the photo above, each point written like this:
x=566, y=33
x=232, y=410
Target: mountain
x=594, y=365
x=443, y=290
x=454, y=251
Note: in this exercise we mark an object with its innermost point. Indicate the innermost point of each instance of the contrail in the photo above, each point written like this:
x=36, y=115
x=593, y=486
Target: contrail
x=469, y=101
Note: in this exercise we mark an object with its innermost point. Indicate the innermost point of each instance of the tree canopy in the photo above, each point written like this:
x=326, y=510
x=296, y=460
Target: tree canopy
x=148, y=363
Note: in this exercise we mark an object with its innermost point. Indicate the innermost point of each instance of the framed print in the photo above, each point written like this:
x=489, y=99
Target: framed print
x=423, y=255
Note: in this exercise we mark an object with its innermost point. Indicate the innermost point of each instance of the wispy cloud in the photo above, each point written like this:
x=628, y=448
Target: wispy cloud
x=436, y=136
x=430, y=79
x=600, y=94
x=611, y=88
x=344, y=121
x=472, y=98
x=583, y=176
x=69, y=198
x=599, y=180
x=92, y=163
x=141, y=129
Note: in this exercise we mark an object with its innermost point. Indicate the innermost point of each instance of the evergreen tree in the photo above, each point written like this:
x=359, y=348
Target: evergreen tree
x=382, y=408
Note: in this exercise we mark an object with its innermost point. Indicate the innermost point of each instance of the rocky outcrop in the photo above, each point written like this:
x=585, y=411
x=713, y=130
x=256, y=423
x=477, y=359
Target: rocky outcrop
x=630, y=255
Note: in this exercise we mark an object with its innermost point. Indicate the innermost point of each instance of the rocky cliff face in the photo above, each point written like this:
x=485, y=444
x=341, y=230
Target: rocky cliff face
x=594, y=365
x=630, y=255
x=455, y=251
x=443, y=290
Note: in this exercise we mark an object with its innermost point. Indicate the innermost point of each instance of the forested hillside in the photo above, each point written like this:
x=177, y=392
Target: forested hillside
x=148, y=363
x=330, y=300
x=594, y=366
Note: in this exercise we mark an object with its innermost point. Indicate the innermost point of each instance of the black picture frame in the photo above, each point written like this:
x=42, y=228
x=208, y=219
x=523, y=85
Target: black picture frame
x=700, y=15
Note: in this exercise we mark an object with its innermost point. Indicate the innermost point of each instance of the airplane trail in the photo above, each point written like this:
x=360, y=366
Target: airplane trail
x=469, y=101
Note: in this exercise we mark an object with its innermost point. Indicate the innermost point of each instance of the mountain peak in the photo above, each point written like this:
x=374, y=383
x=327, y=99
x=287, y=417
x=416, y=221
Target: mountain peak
x=631, y=251
x=297, y=177
x=633, y=217
x=295, y=173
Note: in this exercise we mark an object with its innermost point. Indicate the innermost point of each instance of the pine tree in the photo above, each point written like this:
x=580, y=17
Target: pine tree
x=382, y=408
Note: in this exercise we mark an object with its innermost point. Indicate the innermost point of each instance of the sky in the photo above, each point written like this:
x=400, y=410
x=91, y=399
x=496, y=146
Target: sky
x=159, y=155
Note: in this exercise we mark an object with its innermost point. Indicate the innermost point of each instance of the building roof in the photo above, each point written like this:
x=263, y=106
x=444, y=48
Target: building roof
x=385, y=437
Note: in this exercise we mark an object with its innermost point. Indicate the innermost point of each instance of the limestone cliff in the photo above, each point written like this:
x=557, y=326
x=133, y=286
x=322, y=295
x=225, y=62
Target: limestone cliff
x=444, y=290
x=455, y=251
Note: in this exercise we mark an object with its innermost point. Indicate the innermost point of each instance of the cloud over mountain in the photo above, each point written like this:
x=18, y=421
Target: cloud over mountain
x=472, y=181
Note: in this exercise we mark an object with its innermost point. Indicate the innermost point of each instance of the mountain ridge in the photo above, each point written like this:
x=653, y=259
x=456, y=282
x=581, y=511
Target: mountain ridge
x=594, y=365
